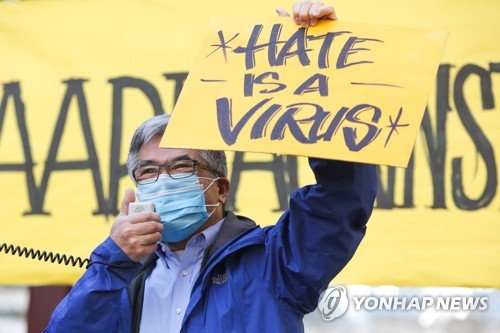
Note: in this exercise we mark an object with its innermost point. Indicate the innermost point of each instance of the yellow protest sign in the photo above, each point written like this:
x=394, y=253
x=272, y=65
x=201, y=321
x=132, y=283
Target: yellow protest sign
x=337, y=90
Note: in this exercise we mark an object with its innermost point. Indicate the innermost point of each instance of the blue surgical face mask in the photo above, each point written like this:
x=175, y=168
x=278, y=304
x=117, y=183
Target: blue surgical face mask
x=180, y=203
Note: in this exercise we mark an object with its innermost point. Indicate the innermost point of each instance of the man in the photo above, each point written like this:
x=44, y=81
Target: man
x=193, y=267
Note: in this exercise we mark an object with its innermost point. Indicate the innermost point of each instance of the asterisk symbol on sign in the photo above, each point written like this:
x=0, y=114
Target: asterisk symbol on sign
x=223, y=45
x=394, y=126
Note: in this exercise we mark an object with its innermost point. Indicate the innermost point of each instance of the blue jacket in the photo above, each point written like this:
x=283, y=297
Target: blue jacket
x=254, y=279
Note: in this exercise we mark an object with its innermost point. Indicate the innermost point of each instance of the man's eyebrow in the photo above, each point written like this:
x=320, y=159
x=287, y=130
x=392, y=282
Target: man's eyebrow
x=182, y=158
x=145, y=162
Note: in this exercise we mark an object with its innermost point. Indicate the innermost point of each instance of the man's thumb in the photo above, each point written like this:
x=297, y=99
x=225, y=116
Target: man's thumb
x=128, y=198
x=282, y=12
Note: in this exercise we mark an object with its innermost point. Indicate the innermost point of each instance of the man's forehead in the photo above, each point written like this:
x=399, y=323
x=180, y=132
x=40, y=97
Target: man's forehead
x=166, y=155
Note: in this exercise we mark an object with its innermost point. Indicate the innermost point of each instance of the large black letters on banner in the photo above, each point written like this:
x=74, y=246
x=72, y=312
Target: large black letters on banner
x=13, y=90
x=483, y=146
x=436, y=140
x=74, y=89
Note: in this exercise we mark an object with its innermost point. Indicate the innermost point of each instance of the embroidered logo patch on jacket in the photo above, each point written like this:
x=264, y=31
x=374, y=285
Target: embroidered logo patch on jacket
x=219, y=278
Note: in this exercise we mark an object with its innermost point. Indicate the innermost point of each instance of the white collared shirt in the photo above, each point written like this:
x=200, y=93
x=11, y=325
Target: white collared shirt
x=168, y=287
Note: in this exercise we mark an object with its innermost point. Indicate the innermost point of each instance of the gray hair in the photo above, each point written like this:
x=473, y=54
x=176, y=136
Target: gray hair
x=216, y=159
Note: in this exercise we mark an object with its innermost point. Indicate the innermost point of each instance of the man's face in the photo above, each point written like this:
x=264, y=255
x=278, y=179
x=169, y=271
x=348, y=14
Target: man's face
x=217, y=193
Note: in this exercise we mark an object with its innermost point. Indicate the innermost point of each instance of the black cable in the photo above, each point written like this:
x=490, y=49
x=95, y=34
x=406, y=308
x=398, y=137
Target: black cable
x=43, y=255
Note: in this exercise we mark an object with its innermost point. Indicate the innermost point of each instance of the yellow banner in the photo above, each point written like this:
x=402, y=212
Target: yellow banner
x=338, y=90
x=77, y=77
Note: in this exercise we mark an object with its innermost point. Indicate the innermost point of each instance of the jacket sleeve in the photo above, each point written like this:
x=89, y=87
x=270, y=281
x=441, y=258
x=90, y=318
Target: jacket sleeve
x=319, y=233
x=98, y=301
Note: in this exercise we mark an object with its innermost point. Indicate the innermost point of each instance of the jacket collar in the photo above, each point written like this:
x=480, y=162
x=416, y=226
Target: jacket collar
x=232, y=226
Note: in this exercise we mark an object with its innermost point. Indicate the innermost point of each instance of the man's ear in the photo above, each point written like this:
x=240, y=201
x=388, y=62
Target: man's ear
x=223, y=189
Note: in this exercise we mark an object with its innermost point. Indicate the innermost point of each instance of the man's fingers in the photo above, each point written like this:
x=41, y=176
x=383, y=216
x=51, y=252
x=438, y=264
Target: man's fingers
x=136, y=236
x=151, y=239
x=127, y=199
x=303, y=14
x=296, y=11
x=147, y=228
x=325, y=12
x=313, y=13
x=307, y=13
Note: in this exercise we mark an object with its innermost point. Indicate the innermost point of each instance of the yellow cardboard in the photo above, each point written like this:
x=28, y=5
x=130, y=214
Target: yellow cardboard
x=338, y=90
